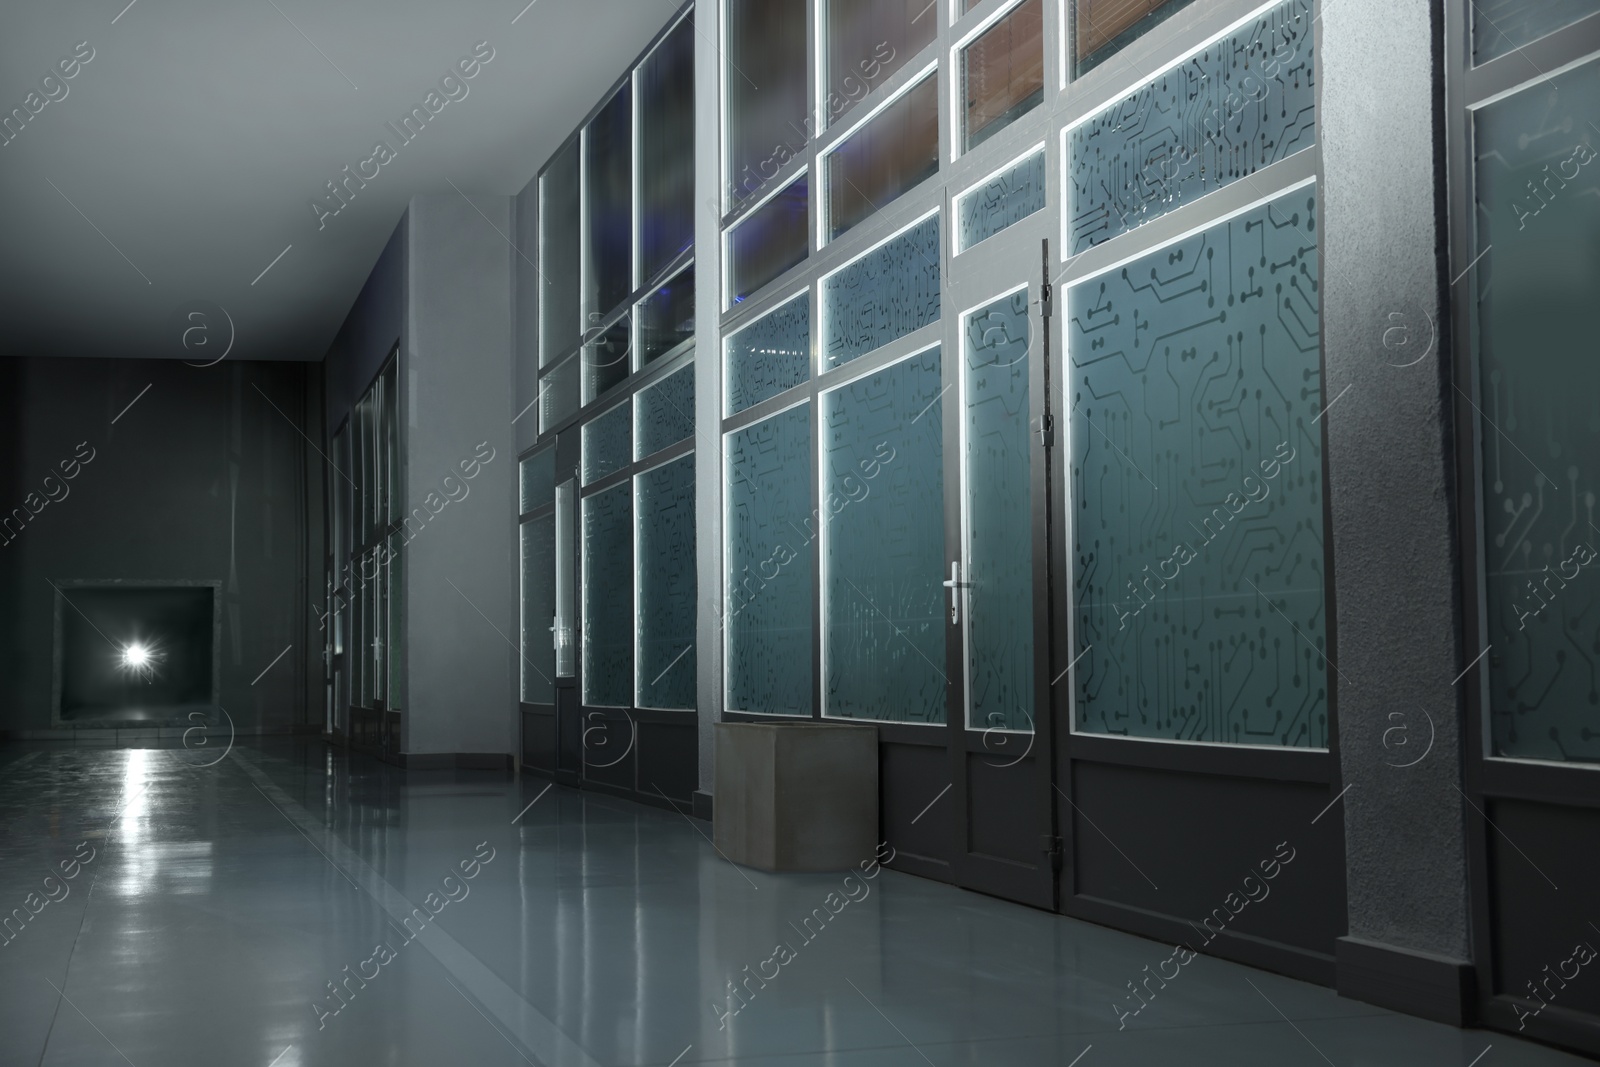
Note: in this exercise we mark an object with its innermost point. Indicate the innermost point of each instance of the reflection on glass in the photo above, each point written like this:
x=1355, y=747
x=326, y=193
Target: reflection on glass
x=608, y=598
x=769, y=241
x=559, y=393
x=1538, y=212
x=667, y=589
x=999, y=515
x=1502, y=26
x=1006, y=199
x=892, y=153
x=1196, y=474
x=608, y=275
x=766, y=78
x=771, y=525
x=666, y=317
x=538, y=610
x=1002, y=73
x=769, y=355
x=538, y=480
x=560, y=313
x=884, y=553
x=665, y=413
x=566, y=588
x=607, y=443
x=887, y=293
x=394, y=593
x=1101, y=28
x=868, y=40
x=666, y=150
x=1239, y=104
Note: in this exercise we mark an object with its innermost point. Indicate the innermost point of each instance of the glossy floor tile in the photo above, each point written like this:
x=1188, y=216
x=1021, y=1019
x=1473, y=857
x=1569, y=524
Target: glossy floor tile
x=291, y=906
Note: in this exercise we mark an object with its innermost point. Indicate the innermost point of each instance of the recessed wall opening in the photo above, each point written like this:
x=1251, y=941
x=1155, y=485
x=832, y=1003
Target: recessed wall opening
x=134, y=653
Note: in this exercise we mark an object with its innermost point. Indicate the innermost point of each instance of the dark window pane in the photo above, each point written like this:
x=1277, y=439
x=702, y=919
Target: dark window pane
x=1002, y=73
x=868, y=40
x=666, y=317
x=766, y=78
x=605, y=358
x=558, y=393
x=666, y=151
x=770, y=241
x=891, y=154
x=610, y=208
x=538, y=480
x=560, y=317
x=1102, y=27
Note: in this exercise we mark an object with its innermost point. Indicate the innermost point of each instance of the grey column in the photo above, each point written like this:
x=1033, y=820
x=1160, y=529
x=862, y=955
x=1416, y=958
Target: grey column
x=708, y=384
x=1398, y=647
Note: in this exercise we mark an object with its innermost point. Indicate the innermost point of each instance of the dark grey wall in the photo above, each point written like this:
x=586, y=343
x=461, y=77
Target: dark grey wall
x=202, y=479
x=1390, y=488
x=369, y=331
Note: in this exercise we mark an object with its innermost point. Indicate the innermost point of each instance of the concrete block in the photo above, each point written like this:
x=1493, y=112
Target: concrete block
x=796, y=796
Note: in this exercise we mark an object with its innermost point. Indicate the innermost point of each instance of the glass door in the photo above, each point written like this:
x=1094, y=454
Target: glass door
x=996, y=609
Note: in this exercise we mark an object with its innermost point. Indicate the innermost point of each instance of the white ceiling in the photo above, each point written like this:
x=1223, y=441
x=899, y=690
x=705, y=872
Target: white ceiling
x=191, y=146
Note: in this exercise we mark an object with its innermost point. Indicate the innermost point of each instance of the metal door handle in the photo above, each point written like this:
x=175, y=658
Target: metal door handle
x=955, y=585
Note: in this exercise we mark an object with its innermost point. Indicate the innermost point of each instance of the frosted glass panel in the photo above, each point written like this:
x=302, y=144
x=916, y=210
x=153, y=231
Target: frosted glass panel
x=1240, y=104
x=1196, y=472
x=666, y=412
x=770, y=529
x=883, y=481
x=1502, y=26
x=606, y=443
x=538, y=477
x=887, y=293
x=1539, y=220
x=667, y=586
x=770, y=355
x=538, y=609
x=608, y=597
x=999, y=514
x=1008, y=197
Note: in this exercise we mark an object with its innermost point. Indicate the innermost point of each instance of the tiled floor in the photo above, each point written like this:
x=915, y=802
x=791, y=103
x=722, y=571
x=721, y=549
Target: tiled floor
x=221, y=901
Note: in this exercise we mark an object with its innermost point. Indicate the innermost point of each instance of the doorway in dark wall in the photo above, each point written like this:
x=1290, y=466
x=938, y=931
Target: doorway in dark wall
x=134, y=652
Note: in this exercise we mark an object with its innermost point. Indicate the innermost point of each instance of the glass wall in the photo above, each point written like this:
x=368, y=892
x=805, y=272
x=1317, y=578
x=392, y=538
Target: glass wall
x=1101, y=28
x=883, y=545
x=766, y=93
x=537, y=478
x=770, y=527
x=893, y=152
x=1203, y=598
x=867, y=41
x=1538, y=218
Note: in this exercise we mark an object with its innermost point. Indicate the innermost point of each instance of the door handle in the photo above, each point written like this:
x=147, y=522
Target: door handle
x=955, y=585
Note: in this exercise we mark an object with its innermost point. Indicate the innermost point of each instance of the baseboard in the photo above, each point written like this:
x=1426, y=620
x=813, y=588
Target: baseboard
x=702, y=805
x=455, y=761
x=1418, y=983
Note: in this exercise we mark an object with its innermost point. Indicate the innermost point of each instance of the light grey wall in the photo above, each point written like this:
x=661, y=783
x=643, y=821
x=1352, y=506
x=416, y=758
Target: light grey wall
x=456, y=393
x=1398, y=646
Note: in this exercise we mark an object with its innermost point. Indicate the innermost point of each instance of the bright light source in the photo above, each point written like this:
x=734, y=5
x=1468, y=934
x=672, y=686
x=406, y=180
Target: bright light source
x=135, y=656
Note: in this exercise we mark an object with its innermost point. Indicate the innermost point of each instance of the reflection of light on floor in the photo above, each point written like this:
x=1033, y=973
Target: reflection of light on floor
x=146, y=865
